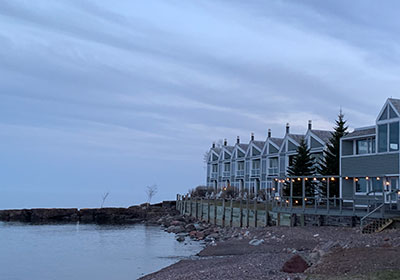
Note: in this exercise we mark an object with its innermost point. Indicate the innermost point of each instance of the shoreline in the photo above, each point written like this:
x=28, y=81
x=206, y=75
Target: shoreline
x=330, y=253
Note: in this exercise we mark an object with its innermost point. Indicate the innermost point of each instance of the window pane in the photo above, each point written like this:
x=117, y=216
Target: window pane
x=362, y=147
x=394, y=136
x=376, y=185
x=361, y=185
x=382, y=134
x=373, y=144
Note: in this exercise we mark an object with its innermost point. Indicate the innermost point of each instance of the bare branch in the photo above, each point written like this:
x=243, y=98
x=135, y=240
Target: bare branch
x=105, y=195
x=151, y=192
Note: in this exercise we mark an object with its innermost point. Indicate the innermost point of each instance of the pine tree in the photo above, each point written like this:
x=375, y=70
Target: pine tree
x=303, y=165
x=330, y=163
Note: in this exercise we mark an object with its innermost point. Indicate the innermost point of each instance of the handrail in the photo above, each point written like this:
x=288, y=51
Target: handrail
x=369, y=214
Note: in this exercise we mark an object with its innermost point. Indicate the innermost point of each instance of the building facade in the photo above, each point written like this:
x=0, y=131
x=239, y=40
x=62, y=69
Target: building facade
x=369, y=159
x=259, y=165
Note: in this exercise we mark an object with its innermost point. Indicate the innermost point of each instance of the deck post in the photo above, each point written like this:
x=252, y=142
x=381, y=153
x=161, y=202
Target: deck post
x=255, y=213
x=327, y=196
x=291, y=195
x=190, y=205
x=248, y=212
x=304, y=194
x=241, y=213
x=223, y=212
x=208, y=210
x=201, y=209
x=231, y=217
x=197, y=208
x=340, y=205
x=215, y=211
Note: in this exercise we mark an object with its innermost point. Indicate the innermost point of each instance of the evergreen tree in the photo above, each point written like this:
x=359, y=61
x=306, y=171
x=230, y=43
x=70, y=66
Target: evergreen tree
x=329, y=164
x=302, y=165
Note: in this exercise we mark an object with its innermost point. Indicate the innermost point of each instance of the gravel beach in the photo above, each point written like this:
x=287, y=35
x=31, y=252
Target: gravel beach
x=331, y=253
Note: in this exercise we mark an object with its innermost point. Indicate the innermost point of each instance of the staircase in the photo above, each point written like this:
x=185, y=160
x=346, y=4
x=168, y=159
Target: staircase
x=376, y=225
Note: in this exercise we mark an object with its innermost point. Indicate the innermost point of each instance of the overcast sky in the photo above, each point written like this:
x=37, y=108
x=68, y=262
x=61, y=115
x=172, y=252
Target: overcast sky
x=100, y=96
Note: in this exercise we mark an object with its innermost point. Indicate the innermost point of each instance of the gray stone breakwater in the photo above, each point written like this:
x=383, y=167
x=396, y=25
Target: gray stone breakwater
x=134, y=214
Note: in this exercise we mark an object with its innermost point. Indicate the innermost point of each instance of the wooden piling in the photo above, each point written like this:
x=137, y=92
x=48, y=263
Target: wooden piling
x=215, y=211
x=208, y=210
x=231, y=216
x=241, y=213
x=223, y=212
x=201, y=209
x=255, y=213
x=248, y=213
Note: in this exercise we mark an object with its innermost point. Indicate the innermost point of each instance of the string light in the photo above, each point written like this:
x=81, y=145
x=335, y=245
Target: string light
x=378, y=178
x=332, y=179
x=298, y=179
x=323, y=179
x=315, y=179
x=305, y=199
x=367, y=178
x=347, y=178
x=356, y=179
x=306, y=179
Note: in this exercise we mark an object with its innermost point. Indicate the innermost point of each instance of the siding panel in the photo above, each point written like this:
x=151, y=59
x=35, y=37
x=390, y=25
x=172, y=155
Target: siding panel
x=374, y=165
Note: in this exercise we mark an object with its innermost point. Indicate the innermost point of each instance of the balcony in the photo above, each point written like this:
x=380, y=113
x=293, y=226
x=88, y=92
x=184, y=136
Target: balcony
x=226, y=174
x=240, y=173
x=273, y=171
x=214, y=175
x=255, y=172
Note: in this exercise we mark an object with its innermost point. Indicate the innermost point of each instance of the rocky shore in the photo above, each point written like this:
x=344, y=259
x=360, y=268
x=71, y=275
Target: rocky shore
x=135, y=214
x=283, y=252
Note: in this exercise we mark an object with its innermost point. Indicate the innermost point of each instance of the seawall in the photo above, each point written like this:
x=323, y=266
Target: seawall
x=130, y=215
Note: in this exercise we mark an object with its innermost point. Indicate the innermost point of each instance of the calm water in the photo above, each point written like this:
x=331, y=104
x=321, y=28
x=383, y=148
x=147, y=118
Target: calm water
x=86, y=251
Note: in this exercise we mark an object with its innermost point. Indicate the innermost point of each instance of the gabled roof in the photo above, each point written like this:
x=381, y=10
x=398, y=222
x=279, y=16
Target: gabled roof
x=277, y=141
x=229, y=148
x=297, y=137
x=243, y=147
x=259, y=144
x=324, y=135
x=359, y=132
x=396, y=103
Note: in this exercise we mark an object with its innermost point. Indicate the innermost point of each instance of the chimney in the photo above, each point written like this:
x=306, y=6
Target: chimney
x=309, y=124
x=213, y=145
x=252, y=136
x=238, y=140
x=225, y=142
x=287, y=128
x=269, y=133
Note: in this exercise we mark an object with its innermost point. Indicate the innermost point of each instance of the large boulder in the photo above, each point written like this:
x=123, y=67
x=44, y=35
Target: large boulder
x=296, y=264
x=176, y=229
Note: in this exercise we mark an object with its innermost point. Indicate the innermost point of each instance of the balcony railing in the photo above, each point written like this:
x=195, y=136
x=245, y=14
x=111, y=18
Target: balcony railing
x=255, y=172
x=240, y=173
x=214, y=175
x=273, y=171
x=226, y=174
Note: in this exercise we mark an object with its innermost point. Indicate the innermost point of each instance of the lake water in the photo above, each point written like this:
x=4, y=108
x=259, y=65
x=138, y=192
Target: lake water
x=44, y=252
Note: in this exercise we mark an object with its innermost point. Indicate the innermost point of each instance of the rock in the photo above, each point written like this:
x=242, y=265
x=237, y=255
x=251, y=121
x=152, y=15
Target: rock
x=212, y=237
x=386, y=239
x=190, y=227
x=316, y=235
x=296, y=264
x=175, y=229
x=256, y=242
x=177, y=223
x=180, y=238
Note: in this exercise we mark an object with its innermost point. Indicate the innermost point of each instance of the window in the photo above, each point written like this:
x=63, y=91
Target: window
x=273, y=163
x=388, y=137
x=256, y=164
x=227, y=167
x=376, y=185
x=365, y=146
x=361, y=185
x=383, y=138
x=394, y=136
x=371, y=185
x=215, y=168
x=240, y=165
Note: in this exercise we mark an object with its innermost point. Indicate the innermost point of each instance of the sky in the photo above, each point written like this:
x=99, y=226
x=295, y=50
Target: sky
x=104, y=96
